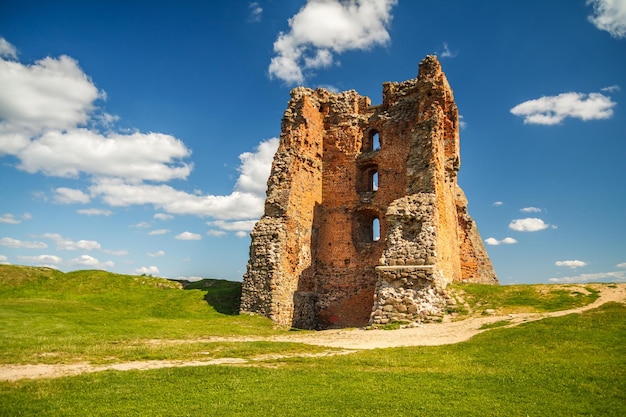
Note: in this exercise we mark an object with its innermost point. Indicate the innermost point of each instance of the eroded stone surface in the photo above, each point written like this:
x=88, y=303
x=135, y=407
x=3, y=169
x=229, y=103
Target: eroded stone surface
x=316, y=258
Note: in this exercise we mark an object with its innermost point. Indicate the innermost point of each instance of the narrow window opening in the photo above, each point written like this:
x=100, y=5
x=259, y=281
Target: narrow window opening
x=371, y=141
x=375, y=141
x=375, y=229
x=367, y=180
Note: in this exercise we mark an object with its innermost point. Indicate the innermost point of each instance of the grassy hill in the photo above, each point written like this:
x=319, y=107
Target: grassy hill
x=567, y=366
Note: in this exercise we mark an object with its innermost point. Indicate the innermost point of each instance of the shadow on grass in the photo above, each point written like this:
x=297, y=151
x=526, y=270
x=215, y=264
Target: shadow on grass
x=224, y=296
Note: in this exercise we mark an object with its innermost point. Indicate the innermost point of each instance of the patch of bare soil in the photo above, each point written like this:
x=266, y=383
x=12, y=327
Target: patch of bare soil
x=349, y=340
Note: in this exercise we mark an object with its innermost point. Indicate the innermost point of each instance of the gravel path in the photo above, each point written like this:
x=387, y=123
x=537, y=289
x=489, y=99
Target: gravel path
x=349, y=340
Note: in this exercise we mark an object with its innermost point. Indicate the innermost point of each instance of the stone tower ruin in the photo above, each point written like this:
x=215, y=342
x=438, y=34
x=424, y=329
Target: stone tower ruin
x=364, y=220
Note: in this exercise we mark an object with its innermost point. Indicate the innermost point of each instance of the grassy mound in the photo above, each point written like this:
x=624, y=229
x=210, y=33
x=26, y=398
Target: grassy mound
x=476, y=299
x=49, y=316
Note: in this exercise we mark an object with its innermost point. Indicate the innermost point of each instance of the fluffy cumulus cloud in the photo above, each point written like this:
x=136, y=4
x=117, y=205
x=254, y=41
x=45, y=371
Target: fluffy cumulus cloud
x=41, y=259
x=47, y=116
x=7, y=50
x=147, y=270
x=529, y=224
x=8, y=218
x=21, y=244
x=51, y=123
x=323, y=28
x=63, y=243
x=495, y=242
x=571, y=264
x=245, y=202
x=65, y=195
x=255, y=168
x=621, y=265
x=188, y=236
x=617, y=276
x=609, y=15
x=87, y=261
x=552, y=110
x=156, y=254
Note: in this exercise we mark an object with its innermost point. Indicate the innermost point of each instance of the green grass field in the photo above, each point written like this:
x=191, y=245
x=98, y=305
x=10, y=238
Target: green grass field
x=568, y=366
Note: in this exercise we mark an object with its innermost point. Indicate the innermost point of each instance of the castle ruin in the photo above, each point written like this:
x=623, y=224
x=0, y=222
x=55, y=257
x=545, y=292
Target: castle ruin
x=364, y=220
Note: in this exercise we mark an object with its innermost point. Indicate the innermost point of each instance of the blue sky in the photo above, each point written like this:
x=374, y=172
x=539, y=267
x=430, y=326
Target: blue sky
x=136, y=136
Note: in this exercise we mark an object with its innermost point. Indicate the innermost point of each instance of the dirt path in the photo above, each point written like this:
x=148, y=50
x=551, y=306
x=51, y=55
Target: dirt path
x=349, y=340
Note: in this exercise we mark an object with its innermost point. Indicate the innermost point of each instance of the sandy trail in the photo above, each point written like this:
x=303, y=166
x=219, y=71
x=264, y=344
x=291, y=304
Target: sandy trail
x=349, y=340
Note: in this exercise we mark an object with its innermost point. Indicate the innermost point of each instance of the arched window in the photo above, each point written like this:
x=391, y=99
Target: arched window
x=368, y=227
x=371, y=141
x=375, y=140
x=375, y=229
x=374, y=181
x=367, y=180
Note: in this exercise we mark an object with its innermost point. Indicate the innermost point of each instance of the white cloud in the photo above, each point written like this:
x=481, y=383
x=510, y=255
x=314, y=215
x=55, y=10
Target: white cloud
x=498, y=203
x=14, y=243
x=4, y=260
x=618, y=276
x=44, y=108
x=162, y=216
x=135, y=157
x=190, y=279
x=7, y=50
x=70, y=195
x=95, y=212
x=241, y=234
x=47, y=116
x=611, y=89
x=91, y=262
x=551, y=110
x=52, y=93
x=622, y=265
x=571, y=264
x=446, y=52
x=216, y=233
x=9, y=218
x=150, y=270
x=188, y=236
x=609, y=15
x=245, y=202
x=39, y=259
x=156, y=254
x=530, y=210
x=255, y=168
x=68, y=244
x=122, y=252
x=462, y=122
x=242, y=225
x=495, y=242
x=529, y=224
x=256, y=12
x=324, y=27
x=157, y=232
x=141, y=225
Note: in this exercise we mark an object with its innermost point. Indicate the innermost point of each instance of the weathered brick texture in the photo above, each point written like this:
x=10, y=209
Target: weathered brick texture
x=364, y=221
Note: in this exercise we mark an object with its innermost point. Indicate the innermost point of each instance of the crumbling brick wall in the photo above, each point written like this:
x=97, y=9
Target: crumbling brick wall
x=364, y=221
